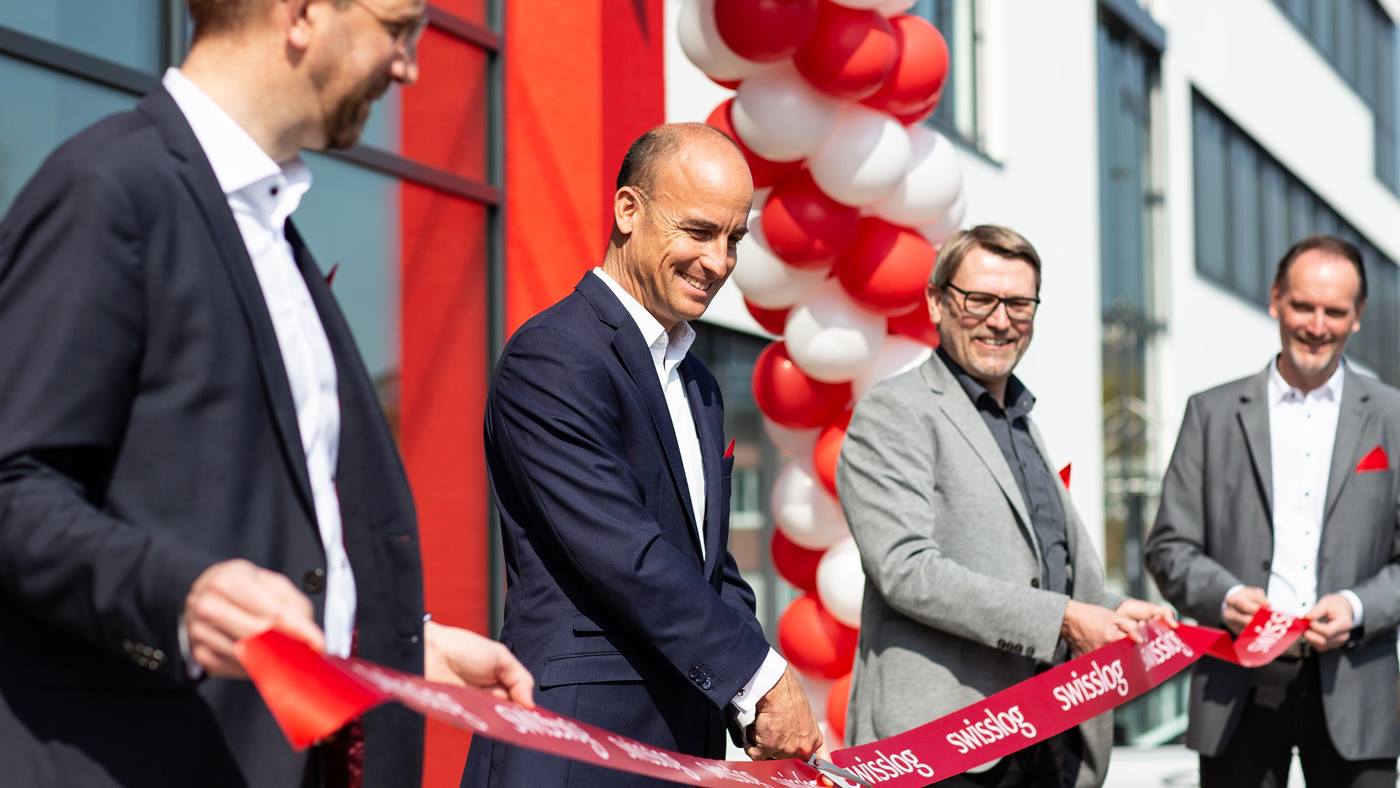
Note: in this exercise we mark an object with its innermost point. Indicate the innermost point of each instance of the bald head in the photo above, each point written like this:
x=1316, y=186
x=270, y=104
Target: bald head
x=650, y=153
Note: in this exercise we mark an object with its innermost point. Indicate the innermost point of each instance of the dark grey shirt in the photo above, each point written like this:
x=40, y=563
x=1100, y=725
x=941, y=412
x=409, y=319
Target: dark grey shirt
x=1038, y=484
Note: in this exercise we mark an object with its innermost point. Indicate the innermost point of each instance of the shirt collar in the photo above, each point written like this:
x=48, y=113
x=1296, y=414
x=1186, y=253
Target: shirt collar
x=665, y=348
x=236, y=158
x=1019, y=399
x=1280, y=390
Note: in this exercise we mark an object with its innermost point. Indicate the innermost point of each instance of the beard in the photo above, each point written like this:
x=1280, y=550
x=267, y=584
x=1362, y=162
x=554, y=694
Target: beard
x=346, y=120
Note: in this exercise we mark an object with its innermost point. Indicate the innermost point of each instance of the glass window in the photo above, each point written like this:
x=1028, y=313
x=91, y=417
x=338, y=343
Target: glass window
x=958, y=111
x=124, y=31
x=1243, y=211
x=1210, y=193
x=1274, y=236
x=55, y=106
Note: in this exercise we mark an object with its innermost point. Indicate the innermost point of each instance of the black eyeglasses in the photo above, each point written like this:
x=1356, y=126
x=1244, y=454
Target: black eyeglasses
x=405, y=32
x=982, y=305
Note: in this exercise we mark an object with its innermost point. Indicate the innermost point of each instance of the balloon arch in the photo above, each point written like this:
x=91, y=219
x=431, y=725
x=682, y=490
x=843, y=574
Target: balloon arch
x=853, y=193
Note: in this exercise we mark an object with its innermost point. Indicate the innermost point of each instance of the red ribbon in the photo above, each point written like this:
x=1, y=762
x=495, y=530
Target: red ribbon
x=312, y=695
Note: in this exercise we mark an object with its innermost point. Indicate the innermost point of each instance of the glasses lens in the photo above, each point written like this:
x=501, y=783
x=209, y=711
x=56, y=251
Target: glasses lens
x=979, y=304
x=1020, y=308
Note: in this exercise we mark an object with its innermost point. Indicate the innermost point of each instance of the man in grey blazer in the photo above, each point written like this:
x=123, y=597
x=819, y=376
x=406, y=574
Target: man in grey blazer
x=979, y=573
x=1281, y=491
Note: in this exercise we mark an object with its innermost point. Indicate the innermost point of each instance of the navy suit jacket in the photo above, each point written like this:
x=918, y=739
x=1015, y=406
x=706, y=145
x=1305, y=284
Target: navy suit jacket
x=609, y=603
x=147, y=431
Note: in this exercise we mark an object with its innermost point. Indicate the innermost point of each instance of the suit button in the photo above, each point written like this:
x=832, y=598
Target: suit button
x=706, y=684
x=314, y=582
x=1264, y=565
x=694, y=674
x=1035, y=582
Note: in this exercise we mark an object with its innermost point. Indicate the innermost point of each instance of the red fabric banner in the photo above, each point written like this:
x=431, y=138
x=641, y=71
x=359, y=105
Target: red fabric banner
x=312, y=695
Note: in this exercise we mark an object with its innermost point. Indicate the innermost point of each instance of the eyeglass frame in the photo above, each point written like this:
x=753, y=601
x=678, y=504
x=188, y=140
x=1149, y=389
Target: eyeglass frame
x=405, y=33
x=1004, y=302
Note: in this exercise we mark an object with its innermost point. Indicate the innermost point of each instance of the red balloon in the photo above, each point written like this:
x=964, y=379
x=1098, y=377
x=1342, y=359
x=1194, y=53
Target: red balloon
x=886, y=268
x=813, y=641
x=915, y=324
x=795, y=564
x=922, y=114
x=803, y=226
x=786, y=395
x=919, y=71
x=850, y=54
x=836, y=706
x=764, y=172
x=732, y=84
x=828, y=450
x=772, y=320
x=765, y=31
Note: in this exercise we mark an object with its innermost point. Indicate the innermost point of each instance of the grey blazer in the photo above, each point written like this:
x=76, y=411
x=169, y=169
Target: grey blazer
x=953, y=608
x=1214, y=530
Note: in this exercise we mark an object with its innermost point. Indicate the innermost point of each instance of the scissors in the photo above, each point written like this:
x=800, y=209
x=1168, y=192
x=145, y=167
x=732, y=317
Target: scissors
x=841, y=778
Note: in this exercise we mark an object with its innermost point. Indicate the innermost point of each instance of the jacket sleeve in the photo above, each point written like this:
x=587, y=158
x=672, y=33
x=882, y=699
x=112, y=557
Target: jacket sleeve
x=1175, y=552
x=553, y=416
x=72, y=311
x=887, y=481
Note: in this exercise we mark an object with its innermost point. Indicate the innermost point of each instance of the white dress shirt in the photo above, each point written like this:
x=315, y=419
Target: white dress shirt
x=1302, y=433
x=262, y=194
x=667, y=352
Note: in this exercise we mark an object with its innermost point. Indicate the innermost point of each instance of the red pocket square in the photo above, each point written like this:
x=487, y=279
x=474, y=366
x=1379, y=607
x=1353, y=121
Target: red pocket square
x=729, y=452
x=1375, y=461
x=1064, y=475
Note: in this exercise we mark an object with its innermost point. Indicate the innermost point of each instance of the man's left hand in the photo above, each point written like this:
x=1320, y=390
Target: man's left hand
x=1141, y=611
x=785, y=727
x=466, y=659
x=1331, y=623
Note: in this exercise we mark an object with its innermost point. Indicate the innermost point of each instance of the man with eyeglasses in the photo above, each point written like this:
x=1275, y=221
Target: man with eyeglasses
x=979, y=573
x=191, y=450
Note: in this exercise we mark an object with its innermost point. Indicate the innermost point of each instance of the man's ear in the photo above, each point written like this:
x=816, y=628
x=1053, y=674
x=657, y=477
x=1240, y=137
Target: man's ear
x=627, y=209
x=294, y=16
x=934, y=296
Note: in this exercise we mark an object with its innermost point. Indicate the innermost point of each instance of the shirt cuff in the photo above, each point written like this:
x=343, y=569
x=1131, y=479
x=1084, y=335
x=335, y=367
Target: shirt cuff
x=1228, y=594
x=1356, y=610
x=192, y=669
x=745, y=702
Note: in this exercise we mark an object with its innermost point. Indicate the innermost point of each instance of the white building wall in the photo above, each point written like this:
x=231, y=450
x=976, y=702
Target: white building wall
x=1038, y=173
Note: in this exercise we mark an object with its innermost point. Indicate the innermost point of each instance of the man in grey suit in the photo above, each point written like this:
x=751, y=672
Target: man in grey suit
x=1280, y=491
x=979, y=573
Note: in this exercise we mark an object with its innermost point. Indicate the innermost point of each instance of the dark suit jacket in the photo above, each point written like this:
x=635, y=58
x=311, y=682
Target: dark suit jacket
x=609, y=604
x=1215, y=530
x=147, y=431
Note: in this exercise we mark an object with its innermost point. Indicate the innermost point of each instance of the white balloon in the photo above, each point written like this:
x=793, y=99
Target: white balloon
x=830, y=336
x=930, y=186
x=701, y=42
x=791, y=441
x=900, y=354
x=803, y=510
x=895, y=7
x=859, y=3
x=765, y=279
x=841, y=582
x=937, y=232
x=779, y=116
x=864, y=157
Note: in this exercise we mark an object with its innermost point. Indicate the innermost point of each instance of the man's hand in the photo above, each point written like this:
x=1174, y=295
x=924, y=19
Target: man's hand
x=1331, y=623
x=1143, y=612
x=236, y=599
x=784, y=726
x=1241, y=606
x=1087, y=627
x=466, y=659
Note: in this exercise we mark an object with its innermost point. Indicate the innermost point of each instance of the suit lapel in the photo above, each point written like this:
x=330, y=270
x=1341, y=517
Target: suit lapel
x=963, y=415
x=710, y=452
x=1352, y=423
x=233, y=253
x=1254, y=421
x=632, y=351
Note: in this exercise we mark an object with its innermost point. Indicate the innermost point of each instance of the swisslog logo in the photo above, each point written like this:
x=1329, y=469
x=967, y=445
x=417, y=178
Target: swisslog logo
x=995, y=727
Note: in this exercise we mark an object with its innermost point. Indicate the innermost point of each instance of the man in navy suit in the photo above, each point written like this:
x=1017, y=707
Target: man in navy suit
x=190, y=448
x=605, y=442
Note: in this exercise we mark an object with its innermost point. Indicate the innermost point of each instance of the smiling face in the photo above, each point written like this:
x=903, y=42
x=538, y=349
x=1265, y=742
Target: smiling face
x=1317, y=313
x=359, y=61
x=987, y=347
x=675, y=243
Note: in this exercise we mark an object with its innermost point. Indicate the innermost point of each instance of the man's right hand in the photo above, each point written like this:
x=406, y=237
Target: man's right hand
x=1241, y=606
x=784, y=726
x=1087, y=627
x=235, y=599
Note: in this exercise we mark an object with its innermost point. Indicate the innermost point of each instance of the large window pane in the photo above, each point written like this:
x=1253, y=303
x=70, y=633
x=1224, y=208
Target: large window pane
x=125, y=31
x=54, y=107
x=1210, y=193
x=1244, y=217
x=1274, y=235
